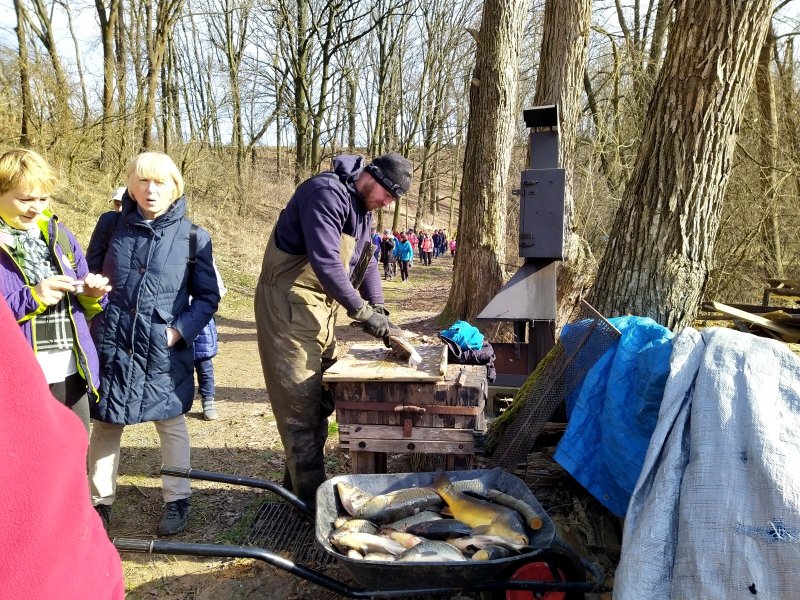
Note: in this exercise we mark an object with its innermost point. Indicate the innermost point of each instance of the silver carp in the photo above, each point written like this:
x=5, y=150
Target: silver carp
x=479, y=542
x=352, y=497
x=432, y=551
x=441, y=529
x=389, y=507
x=353, y=526
x=421, y=517
x=367, y=542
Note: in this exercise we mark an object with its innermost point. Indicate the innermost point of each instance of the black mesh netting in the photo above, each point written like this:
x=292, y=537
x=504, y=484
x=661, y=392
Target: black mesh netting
x=581, y=343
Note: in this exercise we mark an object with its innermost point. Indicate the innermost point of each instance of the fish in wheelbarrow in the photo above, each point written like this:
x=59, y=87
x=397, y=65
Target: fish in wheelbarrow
x=484, y=517
x=397, y=341
x=440, y=530
x=385, y=508
x=432, y=551
x=352, y=497
x=367, y=542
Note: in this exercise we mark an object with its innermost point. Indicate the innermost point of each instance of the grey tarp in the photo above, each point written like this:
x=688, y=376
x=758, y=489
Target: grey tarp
x=716, y=510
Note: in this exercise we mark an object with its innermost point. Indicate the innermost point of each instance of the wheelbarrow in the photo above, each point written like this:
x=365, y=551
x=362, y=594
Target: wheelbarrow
x=556, y=560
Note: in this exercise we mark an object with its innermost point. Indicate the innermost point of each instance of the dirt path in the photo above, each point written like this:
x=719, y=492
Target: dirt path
x=243, y=441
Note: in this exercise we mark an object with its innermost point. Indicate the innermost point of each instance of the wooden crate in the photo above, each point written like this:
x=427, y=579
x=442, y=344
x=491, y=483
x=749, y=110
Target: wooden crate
x=381, y=406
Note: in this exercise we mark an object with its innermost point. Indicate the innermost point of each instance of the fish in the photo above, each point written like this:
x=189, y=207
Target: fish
x=421, y=517
x=353, y=526
x=380, y=556
x=352, y=497
x=491, y=553
x=367, y=542
x=406, y=539
x=354, y=554
x=479, y=542
x=484, y=517
x=477, y=486
x=441, y=529
x=432, y=551
x=396, y=341
x=385, y=508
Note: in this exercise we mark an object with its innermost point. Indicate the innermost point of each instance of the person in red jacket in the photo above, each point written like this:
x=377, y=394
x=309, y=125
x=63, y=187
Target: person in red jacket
x=52, y=541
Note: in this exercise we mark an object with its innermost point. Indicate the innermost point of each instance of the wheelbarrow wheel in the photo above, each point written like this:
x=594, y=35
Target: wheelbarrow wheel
x=551, y=567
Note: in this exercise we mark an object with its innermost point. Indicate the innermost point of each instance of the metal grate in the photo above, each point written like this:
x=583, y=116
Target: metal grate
x=580, y=345
x=279, y=528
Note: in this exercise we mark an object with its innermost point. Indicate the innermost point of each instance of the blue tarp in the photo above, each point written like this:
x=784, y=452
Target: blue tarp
x=614, y=412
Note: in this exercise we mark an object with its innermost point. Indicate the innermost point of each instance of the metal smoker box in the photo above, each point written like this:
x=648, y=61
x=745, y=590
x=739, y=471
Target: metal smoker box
x=383, y=407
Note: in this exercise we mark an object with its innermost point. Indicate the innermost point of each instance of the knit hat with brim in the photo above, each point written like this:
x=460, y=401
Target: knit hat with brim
x=393, y=172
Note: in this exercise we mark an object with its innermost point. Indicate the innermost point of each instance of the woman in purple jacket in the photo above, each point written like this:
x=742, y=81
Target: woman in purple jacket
x=46, y=282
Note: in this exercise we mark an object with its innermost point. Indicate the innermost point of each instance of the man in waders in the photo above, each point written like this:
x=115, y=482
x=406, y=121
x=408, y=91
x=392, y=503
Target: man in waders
x=320, y=255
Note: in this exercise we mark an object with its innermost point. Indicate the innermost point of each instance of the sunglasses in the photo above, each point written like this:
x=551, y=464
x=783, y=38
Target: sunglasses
x=393, y=188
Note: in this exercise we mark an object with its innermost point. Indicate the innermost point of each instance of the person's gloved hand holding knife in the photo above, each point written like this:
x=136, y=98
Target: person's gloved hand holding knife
x=373, y=321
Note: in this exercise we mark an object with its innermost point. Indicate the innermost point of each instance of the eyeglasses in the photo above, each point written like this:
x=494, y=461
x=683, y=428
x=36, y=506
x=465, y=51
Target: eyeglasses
x=393, y=188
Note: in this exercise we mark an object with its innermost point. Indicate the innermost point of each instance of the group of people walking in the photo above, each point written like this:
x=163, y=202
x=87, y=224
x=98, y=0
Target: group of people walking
x=398, y=249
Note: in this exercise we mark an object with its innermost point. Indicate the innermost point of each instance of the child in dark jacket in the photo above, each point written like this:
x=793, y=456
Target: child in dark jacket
x=206, y=346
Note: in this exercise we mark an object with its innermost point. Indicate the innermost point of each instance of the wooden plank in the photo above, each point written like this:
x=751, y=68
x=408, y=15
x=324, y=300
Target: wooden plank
x=789, y=283
x=788, y=334
x=372, y=362
x=458, y=462
x=403, y=446
x=390, y=407
x=367, y=462
x=395, y=432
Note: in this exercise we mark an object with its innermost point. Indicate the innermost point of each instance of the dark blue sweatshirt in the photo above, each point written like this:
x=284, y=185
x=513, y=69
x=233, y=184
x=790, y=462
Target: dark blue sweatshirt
x=320, y=211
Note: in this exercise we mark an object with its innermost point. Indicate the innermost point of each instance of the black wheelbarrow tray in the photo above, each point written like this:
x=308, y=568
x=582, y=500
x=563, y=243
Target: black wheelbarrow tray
x=399, y=579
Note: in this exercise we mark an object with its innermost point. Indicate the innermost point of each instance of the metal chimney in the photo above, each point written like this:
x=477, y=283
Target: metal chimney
x=528, y=299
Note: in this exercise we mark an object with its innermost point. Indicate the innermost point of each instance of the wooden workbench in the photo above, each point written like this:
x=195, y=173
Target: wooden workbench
x=383, y=406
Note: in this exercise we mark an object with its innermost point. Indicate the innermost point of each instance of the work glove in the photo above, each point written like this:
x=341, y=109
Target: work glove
x=381, y=309
x=373, y=322
x=377, y=325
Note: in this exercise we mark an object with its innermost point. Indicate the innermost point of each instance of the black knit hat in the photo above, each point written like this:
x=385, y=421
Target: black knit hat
x=393, y=172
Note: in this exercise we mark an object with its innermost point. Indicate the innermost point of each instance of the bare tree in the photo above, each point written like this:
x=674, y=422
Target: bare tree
x=42, y=28
x=478, y=272
x=765, y=90
x=562, y=65
x=662, y=242
x=108, y=17
x=25, y=87
x=158, y=23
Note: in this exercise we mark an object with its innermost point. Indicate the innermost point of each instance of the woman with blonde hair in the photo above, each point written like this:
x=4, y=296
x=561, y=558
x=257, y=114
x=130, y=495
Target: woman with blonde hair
x=156, y=258
x=46, y=282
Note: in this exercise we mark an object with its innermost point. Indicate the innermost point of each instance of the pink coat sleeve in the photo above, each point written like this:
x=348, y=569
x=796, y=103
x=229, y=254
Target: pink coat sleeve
x=52, y=541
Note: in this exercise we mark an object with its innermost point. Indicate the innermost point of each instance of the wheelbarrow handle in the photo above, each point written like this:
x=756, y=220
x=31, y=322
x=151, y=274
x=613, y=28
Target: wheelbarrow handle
x=253, y=482
x=314, y=576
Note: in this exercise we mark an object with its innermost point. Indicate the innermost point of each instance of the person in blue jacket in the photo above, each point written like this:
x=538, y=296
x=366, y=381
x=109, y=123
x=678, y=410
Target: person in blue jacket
x=144, y=334
x=320, y=257
x=404, y=253
x=206, y=346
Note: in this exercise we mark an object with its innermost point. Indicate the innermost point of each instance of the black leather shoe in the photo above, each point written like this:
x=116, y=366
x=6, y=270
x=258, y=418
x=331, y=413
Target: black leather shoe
x=176, y=514
x=105, y=512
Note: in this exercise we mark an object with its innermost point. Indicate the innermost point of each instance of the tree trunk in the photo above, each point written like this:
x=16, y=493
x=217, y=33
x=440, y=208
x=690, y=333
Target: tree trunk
x=562, y=65
x=765, y=89
x=108, y=24
x=301, y=107
x=662, y=242
x=478, y=274
x=25, y=86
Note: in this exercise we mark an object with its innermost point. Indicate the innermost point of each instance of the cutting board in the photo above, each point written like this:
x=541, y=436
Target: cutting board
x=373, y=362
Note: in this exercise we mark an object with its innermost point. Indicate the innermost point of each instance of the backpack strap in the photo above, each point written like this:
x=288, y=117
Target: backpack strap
x=192, y=248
